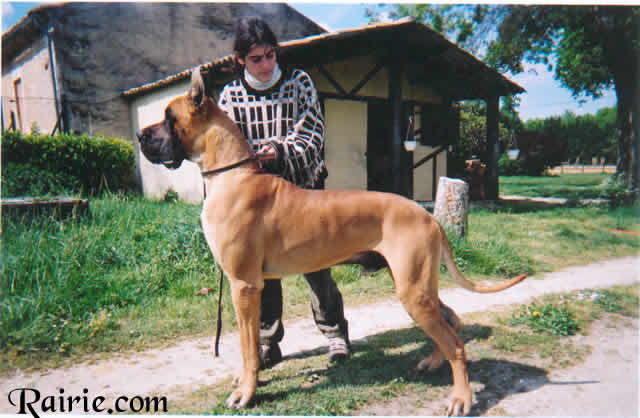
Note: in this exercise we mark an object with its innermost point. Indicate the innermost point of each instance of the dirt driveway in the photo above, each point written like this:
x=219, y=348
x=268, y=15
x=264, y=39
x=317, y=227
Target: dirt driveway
x=607, y=384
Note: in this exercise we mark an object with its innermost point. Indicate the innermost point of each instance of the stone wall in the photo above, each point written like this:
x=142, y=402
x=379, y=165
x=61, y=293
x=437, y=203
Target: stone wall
x=105, y=48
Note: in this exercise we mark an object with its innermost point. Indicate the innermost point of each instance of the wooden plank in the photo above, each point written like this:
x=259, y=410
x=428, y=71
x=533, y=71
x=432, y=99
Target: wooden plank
x=430, y=156
x=58, y=206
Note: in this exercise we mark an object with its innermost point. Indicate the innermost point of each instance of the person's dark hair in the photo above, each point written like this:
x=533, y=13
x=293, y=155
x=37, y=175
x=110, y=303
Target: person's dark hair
x=249, y=32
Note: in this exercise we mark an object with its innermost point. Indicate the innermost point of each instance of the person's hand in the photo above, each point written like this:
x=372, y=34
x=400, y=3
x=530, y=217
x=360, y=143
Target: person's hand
x=266, y=153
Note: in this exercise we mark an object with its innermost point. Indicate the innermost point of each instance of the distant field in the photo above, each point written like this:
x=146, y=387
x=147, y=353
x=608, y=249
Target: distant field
x=583, y=186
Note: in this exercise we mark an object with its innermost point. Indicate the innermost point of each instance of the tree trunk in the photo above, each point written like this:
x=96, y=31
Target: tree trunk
x=452, y=205
x=627, y=131
x=625, y=69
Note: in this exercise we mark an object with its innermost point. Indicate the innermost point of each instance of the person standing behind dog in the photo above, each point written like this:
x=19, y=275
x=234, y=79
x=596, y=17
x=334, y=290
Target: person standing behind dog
x=279, y=114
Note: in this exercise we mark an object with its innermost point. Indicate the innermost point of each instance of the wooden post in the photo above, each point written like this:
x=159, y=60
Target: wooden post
x=452, y=205
x=395, y=98
x=493, y=147
x=434, y=177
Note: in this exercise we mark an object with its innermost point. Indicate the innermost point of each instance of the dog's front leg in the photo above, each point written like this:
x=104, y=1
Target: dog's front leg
x=246, y=302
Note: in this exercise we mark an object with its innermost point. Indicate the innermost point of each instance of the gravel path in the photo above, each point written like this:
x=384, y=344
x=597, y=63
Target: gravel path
x=189, y=364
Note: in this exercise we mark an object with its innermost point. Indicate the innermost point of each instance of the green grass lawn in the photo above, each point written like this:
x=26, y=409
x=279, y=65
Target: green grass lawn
x=125, y=276
x=568, y=186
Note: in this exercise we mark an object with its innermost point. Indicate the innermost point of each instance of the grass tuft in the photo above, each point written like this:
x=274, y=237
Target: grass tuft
x=557, y=320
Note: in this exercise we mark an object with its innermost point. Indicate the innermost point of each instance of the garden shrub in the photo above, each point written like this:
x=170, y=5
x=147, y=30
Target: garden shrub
x=39, y=165
x=508, y=167
x=615, y=190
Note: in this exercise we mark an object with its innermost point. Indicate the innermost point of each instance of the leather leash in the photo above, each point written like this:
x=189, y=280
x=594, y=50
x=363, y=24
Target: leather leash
x=219, y=323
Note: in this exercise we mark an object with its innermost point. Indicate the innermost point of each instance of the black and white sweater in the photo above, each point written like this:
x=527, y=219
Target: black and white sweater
x=286, y=116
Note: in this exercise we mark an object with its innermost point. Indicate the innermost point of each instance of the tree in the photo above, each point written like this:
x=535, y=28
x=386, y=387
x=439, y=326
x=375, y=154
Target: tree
x=594, y=48
x=588, y=135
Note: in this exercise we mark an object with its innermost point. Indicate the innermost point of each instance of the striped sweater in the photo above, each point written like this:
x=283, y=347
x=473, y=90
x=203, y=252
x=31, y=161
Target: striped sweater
x=286, y=116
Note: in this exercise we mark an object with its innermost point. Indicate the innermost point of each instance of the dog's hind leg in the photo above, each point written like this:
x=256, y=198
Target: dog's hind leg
x=436, y=359
x=246, y=302
x=425, y=311
x=416, y=277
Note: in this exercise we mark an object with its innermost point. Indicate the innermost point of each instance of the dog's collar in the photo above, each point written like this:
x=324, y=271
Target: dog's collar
x=228, y=167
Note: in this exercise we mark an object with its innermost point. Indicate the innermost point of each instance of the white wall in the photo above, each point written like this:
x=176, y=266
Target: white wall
x=35, y=90
x=422, y=176
x=156, y=179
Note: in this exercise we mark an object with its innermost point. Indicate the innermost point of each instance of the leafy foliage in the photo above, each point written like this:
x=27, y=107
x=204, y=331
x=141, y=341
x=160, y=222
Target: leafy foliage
x=557, y=320
x=588, y=135
x=37, y=165
x=508, y=167
x=615, y=190
x=589, y=41
x=472, y=141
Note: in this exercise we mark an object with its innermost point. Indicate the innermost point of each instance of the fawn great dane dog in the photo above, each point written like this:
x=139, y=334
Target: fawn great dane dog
x=259, y=227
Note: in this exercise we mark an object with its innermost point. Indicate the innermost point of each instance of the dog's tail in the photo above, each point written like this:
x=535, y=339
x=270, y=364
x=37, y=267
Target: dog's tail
x=447, y=256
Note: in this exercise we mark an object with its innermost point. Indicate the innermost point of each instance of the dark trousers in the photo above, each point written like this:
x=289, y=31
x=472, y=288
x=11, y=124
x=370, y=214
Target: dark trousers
x=326, y=304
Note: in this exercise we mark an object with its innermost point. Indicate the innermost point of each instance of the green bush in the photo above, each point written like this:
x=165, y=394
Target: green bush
x=615, y=190
x=508, y=167
x=38, y=165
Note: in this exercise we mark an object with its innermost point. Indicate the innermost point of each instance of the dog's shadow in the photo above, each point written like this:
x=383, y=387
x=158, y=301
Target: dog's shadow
x=377, y=361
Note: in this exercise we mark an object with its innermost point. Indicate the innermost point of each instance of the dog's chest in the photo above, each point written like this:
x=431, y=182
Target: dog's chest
x=210, y=229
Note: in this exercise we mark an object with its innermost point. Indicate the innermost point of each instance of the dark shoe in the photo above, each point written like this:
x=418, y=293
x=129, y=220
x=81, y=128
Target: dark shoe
x=339, y=349
x=270, y=355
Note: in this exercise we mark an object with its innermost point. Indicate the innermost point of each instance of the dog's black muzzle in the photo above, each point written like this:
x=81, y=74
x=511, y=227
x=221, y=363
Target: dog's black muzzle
x=160, y=147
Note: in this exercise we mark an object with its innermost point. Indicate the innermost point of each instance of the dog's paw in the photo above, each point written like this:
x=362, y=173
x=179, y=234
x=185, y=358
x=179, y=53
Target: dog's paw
x=239, y=399
x=460, y=405
x=432, y=362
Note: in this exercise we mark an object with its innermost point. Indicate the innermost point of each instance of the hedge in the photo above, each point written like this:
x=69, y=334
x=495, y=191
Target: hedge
x=40, y=165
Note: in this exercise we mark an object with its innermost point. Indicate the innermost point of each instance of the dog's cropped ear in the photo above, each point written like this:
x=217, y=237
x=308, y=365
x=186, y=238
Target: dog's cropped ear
x=196, y=91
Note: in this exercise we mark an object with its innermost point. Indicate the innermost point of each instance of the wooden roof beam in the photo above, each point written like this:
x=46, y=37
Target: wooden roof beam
x=332, y=80
x=367, y=78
